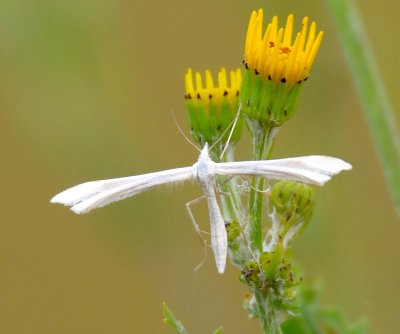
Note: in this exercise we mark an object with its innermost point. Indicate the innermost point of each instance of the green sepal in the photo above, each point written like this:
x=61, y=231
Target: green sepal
x=266, y=102
x=211, y=121
x=270, y=263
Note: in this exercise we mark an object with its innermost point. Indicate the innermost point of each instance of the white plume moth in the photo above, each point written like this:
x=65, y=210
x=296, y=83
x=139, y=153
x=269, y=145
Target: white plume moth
x=314, y=169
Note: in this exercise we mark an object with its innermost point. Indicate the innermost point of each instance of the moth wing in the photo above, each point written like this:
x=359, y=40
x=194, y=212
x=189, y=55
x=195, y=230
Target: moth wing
x=315, y=169
x=95, y=194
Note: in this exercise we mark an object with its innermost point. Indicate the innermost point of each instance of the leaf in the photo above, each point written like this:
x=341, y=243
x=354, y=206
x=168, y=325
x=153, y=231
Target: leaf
x=170, y=319
x=314, y=319
x=333, y=319
x=294, y=326
x=218, y=330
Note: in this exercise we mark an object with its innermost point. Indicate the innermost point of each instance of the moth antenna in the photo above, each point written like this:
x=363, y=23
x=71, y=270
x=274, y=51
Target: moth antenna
x=233, y=125
x=183, y=133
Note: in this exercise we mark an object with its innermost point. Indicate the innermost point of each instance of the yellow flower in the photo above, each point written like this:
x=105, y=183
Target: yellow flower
x=274, y=56
x=213, y=108
x=196, y=90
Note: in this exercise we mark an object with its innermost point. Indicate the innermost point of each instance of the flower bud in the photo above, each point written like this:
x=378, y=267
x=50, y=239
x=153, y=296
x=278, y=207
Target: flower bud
x=293, y=203
x=212, y=109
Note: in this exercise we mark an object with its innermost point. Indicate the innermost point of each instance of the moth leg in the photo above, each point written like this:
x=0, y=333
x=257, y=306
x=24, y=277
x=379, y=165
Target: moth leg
x=197, y=229
x=265, y=191
x=203, y=260
x=193, y=220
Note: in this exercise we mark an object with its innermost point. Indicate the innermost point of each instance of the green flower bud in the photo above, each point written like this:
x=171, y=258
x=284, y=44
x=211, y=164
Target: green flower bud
x=273, y=272
x=233, y=230
x=293, y=203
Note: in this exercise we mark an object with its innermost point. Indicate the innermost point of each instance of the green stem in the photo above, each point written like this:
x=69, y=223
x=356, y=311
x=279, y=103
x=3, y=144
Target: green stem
x=231, y=205
x=262, y=145
x=230, y=199
x=369, y=85
x=255, y=214
x=267, y=313
x=261, y=311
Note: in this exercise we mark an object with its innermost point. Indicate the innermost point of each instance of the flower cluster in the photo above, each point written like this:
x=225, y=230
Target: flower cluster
x=275, y=66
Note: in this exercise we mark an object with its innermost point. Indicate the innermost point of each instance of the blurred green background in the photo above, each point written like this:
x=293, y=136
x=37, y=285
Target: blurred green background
x=87, y=91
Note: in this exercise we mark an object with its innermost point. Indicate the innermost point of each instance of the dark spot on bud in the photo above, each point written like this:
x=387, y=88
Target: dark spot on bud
x=247, y=66
x=189, y=96
x=285, y=112
x=198, y=96
x=247, y=273
x=305, y=79
x=271, y=44
x=256, y=72
x=210, y=96
x=225, y=93
x=269, y=77
x=237, y=92
x=299, y=82
x=285, y=50
x=283, y=80
x=243, y=61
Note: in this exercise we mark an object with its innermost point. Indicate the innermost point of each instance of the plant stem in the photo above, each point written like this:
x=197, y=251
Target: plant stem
x=267, y=312
x=379, y=113
x=262, y=145
x=230, y=199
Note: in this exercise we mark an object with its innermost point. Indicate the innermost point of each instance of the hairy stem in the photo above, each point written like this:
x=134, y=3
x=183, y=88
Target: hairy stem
x=267, y=313
x=262, y=146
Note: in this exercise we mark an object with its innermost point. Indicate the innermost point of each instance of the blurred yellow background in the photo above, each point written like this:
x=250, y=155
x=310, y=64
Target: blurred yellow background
x=87, y=91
